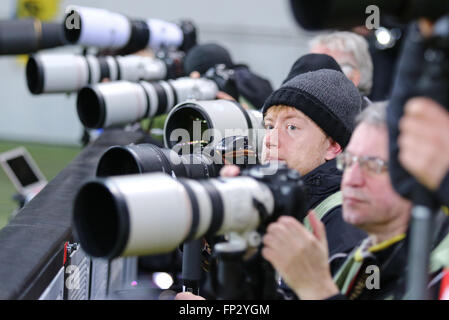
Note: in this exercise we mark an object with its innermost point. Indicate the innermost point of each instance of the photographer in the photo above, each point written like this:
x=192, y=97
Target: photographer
x=252, y=89
x=371, y=204
x=351, y=52
x=309, y=120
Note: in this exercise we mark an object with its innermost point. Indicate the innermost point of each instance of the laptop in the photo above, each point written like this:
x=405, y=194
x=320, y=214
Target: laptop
x=23, y=171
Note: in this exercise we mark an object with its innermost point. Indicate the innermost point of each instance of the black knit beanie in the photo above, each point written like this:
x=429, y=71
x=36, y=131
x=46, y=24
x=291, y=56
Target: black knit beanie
x=312, y=62
x=202, y=57
x=326, y=96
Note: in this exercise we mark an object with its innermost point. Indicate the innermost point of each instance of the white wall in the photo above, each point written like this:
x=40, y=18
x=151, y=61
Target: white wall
x=259, y=33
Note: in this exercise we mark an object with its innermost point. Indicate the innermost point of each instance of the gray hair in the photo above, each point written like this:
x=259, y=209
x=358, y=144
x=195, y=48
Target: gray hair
x=354, y=44
x=374, y=114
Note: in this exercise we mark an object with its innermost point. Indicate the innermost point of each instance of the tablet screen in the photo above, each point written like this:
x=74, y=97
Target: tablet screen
x=22, y=170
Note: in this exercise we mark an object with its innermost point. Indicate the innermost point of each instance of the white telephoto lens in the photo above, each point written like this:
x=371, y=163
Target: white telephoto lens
x=59, y=73
x=125, y=102
x=150, y=230
x=153, y=213
x=164, y=34
x=197, y=89
x=102, y=28
x=224, y=118
x=240, y=214
x=135, y=68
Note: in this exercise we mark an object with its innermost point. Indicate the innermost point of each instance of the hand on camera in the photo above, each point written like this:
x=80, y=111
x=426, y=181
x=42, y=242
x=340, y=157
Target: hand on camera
x=424, y=141
x=301, y=257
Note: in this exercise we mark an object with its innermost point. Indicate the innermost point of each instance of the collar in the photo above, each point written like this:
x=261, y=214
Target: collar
x=367, y=249
x=322, y=182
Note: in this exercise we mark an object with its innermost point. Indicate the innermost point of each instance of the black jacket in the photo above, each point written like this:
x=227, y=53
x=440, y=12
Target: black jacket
x=443, y=190
x=393, y=266
x=251, y=86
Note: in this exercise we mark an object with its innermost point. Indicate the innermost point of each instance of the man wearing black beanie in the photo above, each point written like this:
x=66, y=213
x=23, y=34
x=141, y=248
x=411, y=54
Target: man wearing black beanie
x=309, y=120
x=316, y=61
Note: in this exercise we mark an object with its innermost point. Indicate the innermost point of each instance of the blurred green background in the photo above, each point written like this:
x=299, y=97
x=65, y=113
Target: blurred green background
x=51, y=159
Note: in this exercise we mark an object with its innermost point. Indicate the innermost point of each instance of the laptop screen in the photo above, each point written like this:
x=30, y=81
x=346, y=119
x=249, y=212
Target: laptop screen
x=22, y=170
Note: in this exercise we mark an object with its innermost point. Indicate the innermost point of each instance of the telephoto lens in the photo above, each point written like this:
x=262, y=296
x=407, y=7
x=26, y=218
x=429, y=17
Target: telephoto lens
x=105, y=29
x=122, y=102
x=210, y=122
x=57, y=73
x=153, y=213
x=201, y=163
x=29, y=35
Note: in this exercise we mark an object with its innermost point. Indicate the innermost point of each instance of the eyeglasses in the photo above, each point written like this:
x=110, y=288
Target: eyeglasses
x=366, y=163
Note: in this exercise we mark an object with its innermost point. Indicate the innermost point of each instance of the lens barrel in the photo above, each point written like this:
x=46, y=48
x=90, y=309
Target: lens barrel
x=112, y=31
x=122, y=102
x=58, y=73
x=215, y=120
x=146, y=158
x=28, y=36
x=154, y=213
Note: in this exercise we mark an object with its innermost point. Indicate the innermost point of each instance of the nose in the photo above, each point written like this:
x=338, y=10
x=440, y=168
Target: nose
x=271, y=138
x=353, y=176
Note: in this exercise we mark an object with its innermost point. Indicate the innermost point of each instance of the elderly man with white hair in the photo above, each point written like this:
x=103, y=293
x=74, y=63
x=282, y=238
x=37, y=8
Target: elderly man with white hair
x=376, y=268
x=351, y=51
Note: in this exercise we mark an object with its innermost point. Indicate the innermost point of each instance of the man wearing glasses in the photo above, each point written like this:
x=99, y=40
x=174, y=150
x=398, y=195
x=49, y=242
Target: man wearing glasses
x=373, y=270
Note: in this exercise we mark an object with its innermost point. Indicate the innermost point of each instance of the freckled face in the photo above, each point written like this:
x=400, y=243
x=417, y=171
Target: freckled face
x=293, y=137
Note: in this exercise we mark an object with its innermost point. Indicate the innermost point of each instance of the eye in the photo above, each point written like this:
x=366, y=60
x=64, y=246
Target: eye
x=291, y=127
x=268, y=126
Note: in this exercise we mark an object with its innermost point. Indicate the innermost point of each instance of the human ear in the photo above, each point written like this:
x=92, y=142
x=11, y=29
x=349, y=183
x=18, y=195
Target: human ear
x=355, y=77
x=333, y=150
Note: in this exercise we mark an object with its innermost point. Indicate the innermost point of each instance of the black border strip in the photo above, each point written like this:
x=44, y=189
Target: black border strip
x=104, y=69
x=147, y=98
x=175, y=95
x=161, y=97
x=217, y=207
x=119, y=74
x=195, y=210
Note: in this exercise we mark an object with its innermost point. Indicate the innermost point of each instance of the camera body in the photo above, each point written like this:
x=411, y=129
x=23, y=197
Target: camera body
x=224, y=78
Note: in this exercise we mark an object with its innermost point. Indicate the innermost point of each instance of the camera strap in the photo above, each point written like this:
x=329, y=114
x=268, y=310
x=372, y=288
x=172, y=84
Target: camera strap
x=332, y=201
